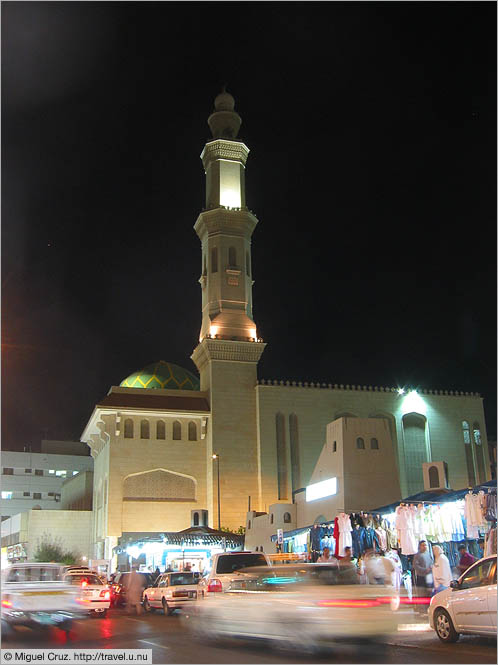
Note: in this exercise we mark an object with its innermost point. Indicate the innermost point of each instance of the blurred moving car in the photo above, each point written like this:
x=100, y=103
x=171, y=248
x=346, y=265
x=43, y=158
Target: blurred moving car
x=93, y=593
x=118, y=587
x=225, y=568
x=37, y=596
x=469, y=606
x=171, y=591
x=306, y=607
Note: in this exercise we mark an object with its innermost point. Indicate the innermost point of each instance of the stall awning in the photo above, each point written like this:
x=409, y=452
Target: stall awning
x=191, y=536
x=296, y=532
x=434, y=496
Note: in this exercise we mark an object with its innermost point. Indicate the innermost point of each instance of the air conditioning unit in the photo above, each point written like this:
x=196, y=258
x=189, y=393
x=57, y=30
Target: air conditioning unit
x=435, y=476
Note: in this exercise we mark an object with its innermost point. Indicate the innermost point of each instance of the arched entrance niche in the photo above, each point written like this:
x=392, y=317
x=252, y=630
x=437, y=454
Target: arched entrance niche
x=415, y=440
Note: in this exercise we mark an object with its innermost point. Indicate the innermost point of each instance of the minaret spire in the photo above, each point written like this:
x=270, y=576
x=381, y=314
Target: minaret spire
x=225, y=228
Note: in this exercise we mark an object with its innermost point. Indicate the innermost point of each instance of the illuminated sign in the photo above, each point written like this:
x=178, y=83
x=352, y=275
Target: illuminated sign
x=322, y=489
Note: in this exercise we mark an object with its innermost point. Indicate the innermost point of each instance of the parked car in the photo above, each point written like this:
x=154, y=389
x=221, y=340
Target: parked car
x=305, y=607
x=171, y=591
x=36, y=595
x=225, y=568
x=469, y=605
x=93, y=593
x=118, y=587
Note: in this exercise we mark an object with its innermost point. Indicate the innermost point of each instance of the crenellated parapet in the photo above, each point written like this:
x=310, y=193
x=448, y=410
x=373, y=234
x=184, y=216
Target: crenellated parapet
x=348, y=387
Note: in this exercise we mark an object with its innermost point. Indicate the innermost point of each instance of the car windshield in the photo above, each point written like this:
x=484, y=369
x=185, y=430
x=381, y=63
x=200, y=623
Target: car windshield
x=78, y=580
x=35, y=574
x=227, y=563
x=179, y=579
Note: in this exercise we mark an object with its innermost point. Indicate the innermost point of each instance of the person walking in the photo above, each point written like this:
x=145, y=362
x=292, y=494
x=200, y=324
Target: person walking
x=422, y=568
x=134, y=589
x=466, y=559
x=441, y=570
x=326, y=558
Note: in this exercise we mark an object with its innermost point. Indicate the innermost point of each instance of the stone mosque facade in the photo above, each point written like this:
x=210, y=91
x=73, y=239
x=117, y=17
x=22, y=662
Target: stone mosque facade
x=153, y=437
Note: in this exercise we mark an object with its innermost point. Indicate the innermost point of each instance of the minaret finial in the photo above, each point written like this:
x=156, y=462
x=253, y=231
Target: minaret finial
x=225, y=121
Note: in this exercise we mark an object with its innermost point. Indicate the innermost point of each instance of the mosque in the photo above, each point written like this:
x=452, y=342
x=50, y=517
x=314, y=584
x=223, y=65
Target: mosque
x=173, y=449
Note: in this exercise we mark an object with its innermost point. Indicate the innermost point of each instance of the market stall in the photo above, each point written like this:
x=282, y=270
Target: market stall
x=190, y=549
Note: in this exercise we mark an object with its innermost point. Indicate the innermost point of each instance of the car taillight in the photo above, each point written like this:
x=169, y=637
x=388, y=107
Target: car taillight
x=105, y=594
x=350, y=602
x=116, y=588
x=84, y=584
x=416, y=601
x=6, y=603
x=215, y=585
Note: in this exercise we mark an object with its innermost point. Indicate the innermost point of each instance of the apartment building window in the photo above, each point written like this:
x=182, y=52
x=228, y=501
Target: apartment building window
x=8, y=471
x=26, y=494
x=36, y=495
x=28, y=470
x=38, y=472
x=6, y=495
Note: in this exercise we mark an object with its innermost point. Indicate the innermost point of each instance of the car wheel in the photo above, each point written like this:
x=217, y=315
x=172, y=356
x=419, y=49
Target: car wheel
x=102, y=614
x=147, y=606
x=444, y=627
x=166, y=608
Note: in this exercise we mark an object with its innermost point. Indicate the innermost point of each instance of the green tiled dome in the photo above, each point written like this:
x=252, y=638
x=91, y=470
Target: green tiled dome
x=162, y=375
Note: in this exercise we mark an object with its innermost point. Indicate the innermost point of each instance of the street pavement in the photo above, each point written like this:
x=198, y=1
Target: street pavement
x=172, y=642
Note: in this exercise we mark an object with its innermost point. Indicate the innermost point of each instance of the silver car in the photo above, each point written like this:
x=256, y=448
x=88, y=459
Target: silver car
x=469, y=605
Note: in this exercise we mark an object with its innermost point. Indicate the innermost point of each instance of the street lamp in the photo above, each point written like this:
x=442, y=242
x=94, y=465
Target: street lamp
x=217, y=458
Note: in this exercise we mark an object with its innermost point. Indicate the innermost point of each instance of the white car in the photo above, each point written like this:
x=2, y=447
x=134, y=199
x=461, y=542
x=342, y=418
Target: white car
x=225, y=567
x=469, y=606
x=308, y=607
x=171, y=591
x=37, y=596
x=93, y=594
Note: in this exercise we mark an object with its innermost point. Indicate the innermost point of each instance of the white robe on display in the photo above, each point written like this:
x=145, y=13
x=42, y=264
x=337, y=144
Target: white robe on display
x=345, y=529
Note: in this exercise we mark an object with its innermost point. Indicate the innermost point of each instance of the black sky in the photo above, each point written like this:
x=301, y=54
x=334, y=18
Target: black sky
x=372, y=129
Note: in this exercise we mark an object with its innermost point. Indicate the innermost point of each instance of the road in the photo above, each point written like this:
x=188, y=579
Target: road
x=171, y=642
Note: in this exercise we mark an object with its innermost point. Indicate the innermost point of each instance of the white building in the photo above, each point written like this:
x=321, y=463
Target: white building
x=32, y=480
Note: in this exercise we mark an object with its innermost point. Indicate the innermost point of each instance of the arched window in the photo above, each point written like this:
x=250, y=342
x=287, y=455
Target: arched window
x=128, y=428
x=144, y=429
x=374, y=444
x=360, y=443
x=271, y=518
x=281, y=456
x=466, y=431
x=249, y=525
x=214, y=259
x=196, y=519
x=433, y=476
x=287, y=518
x=192, y=431
x=248, y=264
x=160, y=429
x=232, y=256
x=261, y=548
x=334, y=447
x=476, y=430
x=177, y=431
x=468, y=453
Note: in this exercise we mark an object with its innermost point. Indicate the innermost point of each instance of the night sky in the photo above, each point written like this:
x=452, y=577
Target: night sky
x=372, y=130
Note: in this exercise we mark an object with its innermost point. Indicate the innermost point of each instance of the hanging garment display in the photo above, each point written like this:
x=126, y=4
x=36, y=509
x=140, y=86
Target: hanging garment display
x=345, y=530
x=490, y=512
x=404, y=528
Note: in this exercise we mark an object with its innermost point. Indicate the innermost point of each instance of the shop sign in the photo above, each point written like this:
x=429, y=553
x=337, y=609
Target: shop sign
x=322, y=489
x=16, y=551
x=280, y=536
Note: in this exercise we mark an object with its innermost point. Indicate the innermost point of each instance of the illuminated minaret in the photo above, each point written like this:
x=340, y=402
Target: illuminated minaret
x=225, y=229
x=229, y=347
